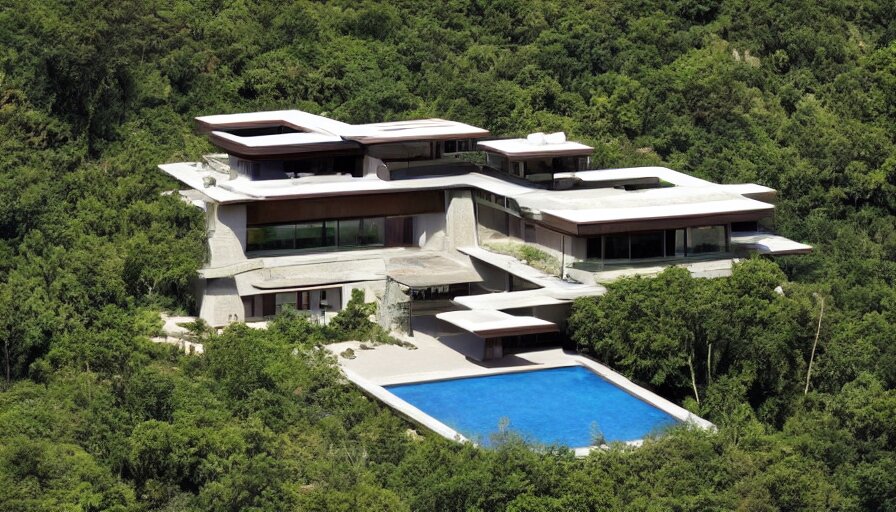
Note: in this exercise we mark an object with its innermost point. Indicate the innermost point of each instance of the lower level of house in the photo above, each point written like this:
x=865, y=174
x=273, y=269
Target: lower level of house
x=475, y=261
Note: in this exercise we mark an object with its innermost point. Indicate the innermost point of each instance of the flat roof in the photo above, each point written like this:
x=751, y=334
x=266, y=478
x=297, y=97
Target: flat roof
x=318, y=133
x=280, y=144
x=654, y=208
x=427, y=269
x=519, y=148
x=268, y=279
x=413, y=267
x=296, y=119
x=509, y=300
x=767, y=243
x=635, y=173
x=417, y=129
x=689, y=197
x=493, y=324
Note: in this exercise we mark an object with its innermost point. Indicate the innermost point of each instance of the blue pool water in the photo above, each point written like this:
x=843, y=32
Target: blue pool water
x=558, y=406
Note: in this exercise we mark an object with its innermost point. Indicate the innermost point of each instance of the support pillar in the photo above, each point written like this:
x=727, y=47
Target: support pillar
x=494, y=349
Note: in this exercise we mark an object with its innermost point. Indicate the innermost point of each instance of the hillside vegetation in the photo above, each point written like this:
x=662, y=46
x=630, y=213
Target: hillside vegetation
x=799, y=95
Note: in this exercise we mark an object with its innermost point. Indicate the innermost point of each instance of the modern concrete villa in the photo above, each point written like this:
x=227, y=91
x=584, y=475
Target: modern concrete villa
x=445, y=226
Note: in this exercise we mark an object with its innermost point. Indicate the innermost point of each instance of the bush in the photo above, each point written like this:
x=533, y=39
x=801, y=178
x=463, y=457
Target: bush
x=353, y=323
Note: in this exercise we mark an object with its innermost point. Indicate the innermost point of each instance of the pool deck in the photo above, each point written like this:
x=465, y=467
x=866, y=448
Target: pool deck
x=445, y=353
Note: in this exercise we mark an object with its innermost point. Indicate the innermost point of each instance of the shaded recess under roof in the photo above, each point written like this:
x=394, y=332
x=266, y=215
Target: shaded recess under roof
x=493, y=324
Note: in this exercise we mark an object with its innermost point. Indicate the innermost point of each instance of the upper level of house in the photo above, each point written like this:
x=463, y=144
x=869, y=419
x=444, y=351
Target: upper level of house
x=310, y=183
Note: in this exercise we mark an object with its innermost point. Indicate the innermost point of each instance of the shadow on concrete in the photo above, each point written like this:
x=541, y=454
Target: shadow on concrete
x=434, y=327
x=505, y=362
x=468, y=345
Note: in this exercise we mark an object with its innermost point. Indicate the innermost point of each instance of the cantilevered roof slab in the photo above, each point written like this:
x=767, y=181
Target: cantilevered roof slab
x=416, y=129
x=676, y=178
x=522, y=148
x=268, y=280
x=509, y=300
x=767, y=243
x=280, y=144
x=493, y=324
x=425, y=270
x=295, y=119
x=310, y=133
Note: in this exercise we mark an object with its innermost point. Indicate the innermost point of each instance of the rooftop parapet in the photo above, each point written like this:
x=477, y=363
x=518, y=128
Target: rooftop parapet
x=258, y=134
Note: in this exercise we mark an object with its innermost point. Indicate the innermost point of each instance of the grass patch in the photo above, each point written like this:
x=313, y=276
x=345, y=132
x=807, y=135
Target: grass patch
x=532, y=256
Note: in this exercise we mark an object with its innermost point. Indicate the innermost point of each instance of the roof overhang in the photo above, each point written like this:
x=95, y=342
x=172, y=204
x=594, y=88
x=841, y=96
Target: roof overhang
x=617, y=220
x=295, y=119
x=281, y=144
x=424, y=271
x=520, y=149
x=510, y=300
x=309, y=276
x=494, y=324
x=767, y=243
x=417, y=129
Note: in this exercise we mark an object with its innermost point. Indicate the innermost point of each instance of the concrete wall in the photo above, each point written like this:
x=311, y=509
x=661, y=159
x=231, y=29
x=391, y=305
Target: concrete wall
x=375, y=167
x=549, y=241
x=429, y=227
x=373, y=291
x=493, y=278
x=460, y=219
x=221, y=304
x=557, y=313
x=227, y=234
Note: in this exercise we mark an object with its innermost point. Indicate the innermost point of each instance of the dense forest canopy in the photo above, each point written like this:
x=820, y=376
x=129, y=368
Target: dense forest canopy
x=798, y=95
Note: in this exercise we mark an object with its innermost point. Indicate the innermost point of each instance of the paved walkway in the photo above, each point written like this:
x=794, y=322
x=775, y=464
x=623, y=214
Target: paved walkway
x=442, y=352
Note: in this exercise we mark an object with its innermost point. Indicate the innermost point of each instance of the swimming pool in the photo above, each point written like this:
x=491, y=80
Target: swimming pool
x=567, y=406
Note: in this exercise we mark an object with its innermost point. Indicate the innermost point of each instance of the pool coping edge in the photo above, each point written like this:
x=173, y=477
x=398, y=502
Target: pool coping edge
x=416, y=415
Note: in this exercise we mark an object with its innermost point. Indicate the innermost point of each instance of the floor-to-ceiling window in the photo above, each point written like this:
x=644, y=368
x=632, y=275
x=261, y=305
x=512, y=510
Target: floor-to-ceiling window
x=648, y=245
x=325, y=234
x=707, y=239
x=669, y=243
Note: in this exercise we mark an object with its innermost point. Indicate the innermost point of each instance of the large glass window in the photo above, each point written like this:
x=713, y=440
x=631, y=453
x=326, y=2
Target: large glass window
x=707, y=239
x=497, y=162
x=459, y=146
x=322, y=166
x=552, y=165
x=539, y=166
x=647, y=245
x=592, y=248
x=348, y=232
x=270, y=238
x=328, y=234
x=287, y=300
x=570, y=163
x=314, y=235
x=372, y=231
x=616, y=246
x=670, y=243
x=675, y=243
x=745, y=226
x=413, y=150
x=361, y=232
